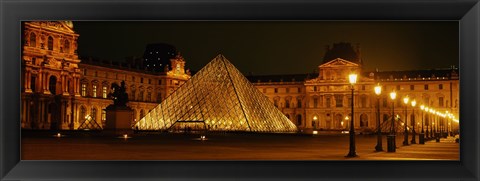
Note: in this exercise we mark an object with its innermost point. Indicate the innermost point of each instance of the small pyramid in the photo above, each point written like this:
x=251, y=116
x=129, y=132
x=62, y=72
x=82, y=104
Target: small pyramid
x=89, y=125
x=217, y=98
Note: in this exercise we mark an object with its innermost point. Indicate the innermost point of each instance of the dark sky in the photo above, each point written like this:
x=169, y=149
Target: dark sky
x=278, y=47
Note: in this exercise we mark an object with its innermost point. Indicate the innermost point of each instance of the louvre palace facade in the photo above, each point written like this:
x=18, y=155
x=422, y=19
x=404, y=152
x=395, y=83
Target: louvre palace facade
x=60, y=89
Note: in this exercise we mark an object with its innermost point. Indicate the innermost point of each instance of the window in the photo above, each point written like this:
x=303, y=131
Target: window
x=82, y=115
x=440, y=86
x=160, y=82
x=133, y=78
x=338, y=100
x=133, y=96
x=104, y=117
x=328, y=102
x=276, y=90
x=32, y=83
x=33, y=39
x=149, y=81
x=275, y=103
x=66, y=46
x=159, y=97
x=363, y=101
x=141, y=80
x=287, y=103
x=299, y=119
x=149, y=96
x=84, y=90
x=314, y=88
x=425, y=87
x=287, y=90
x=84, y=71
x=363, y=87
x=104, y=91
x=140, y=96
x=315, y=102
x=50, y=43
x=94, y=114
x=412, y=87
x=299, y=90
x=94, y=91
x=299, y=103
x=440, y=102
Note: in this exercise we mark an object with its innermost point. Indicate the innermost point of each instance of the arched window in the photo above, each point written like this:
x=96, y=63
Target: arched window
x=53, y=85
x=104, y=91
x=84, y=89
x=363, y=120
x=299, y=119
x=142, y=113
x=159, y=97
x=104, y=117
x=94, y=114
x=287, y=103
x=82, y=115
x=94, y=90
x=33, y=39
x=50, y=43
x=140, y=95
x=66, y=46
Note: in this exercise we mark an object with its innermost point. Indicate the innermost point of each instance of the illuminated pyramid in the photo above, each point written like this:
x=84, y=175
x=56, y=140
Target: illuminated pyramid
x=217, y=98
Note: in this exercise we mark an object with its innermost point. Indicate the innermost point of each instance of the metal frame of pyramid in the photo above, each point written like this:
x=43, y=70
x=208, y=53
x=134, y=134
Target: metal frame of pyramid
x=89, y=124
x=217, y=98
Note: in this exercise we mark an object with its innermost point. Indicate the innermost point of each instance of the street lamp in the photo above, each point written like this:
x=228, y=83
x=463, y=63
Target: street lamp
x=405, y=131
x=378, y=91
x=391, y=138
x=352, y=79
x=421, y=137
x=414, y=102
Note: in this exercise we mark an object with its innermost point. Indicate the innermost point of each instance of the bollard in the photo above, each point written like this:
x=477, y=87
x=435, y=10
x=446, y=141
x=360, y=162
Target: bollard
x=421, y=138
x=391, y=143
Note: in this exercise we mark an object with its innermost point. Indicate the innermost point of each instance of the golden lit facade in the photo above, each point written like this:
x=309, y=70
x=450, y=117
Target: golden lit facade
x=60, y=91
x=324, y=102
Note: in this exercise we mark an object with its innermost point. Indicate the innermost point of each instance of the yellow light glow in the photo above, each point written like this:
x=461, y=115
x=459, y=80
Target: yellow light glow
x=352, y=78
x=378, y=89
x=315, y=118
x=422, y=107
x=414, y=102
x=405, y=100
x=393, y=95
x=315, y=132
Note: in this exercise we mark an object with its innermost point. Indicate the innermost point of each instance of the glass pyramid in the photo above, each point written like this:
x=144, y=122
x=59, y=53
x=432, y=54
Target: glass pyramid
x=217, y=98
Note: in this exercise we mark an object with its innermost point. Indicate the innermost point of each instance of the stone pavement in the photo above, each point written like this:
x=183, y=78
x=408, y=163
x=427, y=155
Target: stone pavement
x=446, y=149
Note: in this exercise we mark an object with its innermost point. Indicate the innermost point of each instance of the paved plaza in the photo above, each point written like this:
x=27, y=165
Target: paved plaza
x=229, y=146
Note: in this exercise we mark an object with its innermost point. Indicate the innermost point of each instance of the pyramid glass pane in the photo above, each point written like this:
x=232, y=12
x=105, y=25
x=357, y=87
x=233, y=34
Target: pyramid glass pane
x=217, y=98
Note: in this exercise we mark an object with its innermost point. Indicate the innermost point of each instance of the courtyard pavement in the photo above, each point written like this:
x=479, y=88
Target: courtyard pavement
x=247, y=146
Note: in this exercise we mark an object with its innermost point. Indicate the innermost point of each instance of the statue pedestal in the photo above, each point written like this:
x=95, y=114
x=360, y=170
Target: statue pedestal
x=119, y=120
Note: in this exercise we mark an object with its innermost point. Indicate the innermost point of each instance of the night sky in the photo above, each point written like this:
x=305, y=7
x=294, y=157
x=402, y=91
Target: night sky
x=277, y=47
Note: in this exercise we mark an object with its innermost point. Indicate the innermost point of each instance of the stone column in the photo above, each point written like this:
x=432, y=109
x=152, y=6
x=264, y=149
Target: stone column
x=27, y=80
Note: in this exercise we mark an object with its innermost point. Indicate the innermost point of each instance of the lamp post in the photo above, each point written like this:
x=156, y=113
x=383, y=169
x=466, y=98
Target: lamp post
x=352, y=79
x=413, y=141
x=421, y=137
x=405, y=131
x=378, y=91
x=391, y=138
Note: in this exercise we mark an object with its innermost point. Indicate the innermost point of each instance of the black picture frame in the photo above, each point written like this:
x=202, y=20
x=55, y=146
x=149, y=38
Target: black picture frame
x=467, y=12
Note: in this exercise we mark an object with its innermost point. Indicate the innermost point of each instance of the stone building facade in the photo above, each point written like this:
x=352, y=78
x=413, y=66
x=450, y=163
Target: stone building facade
x=322, y=101
x=59, y=90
